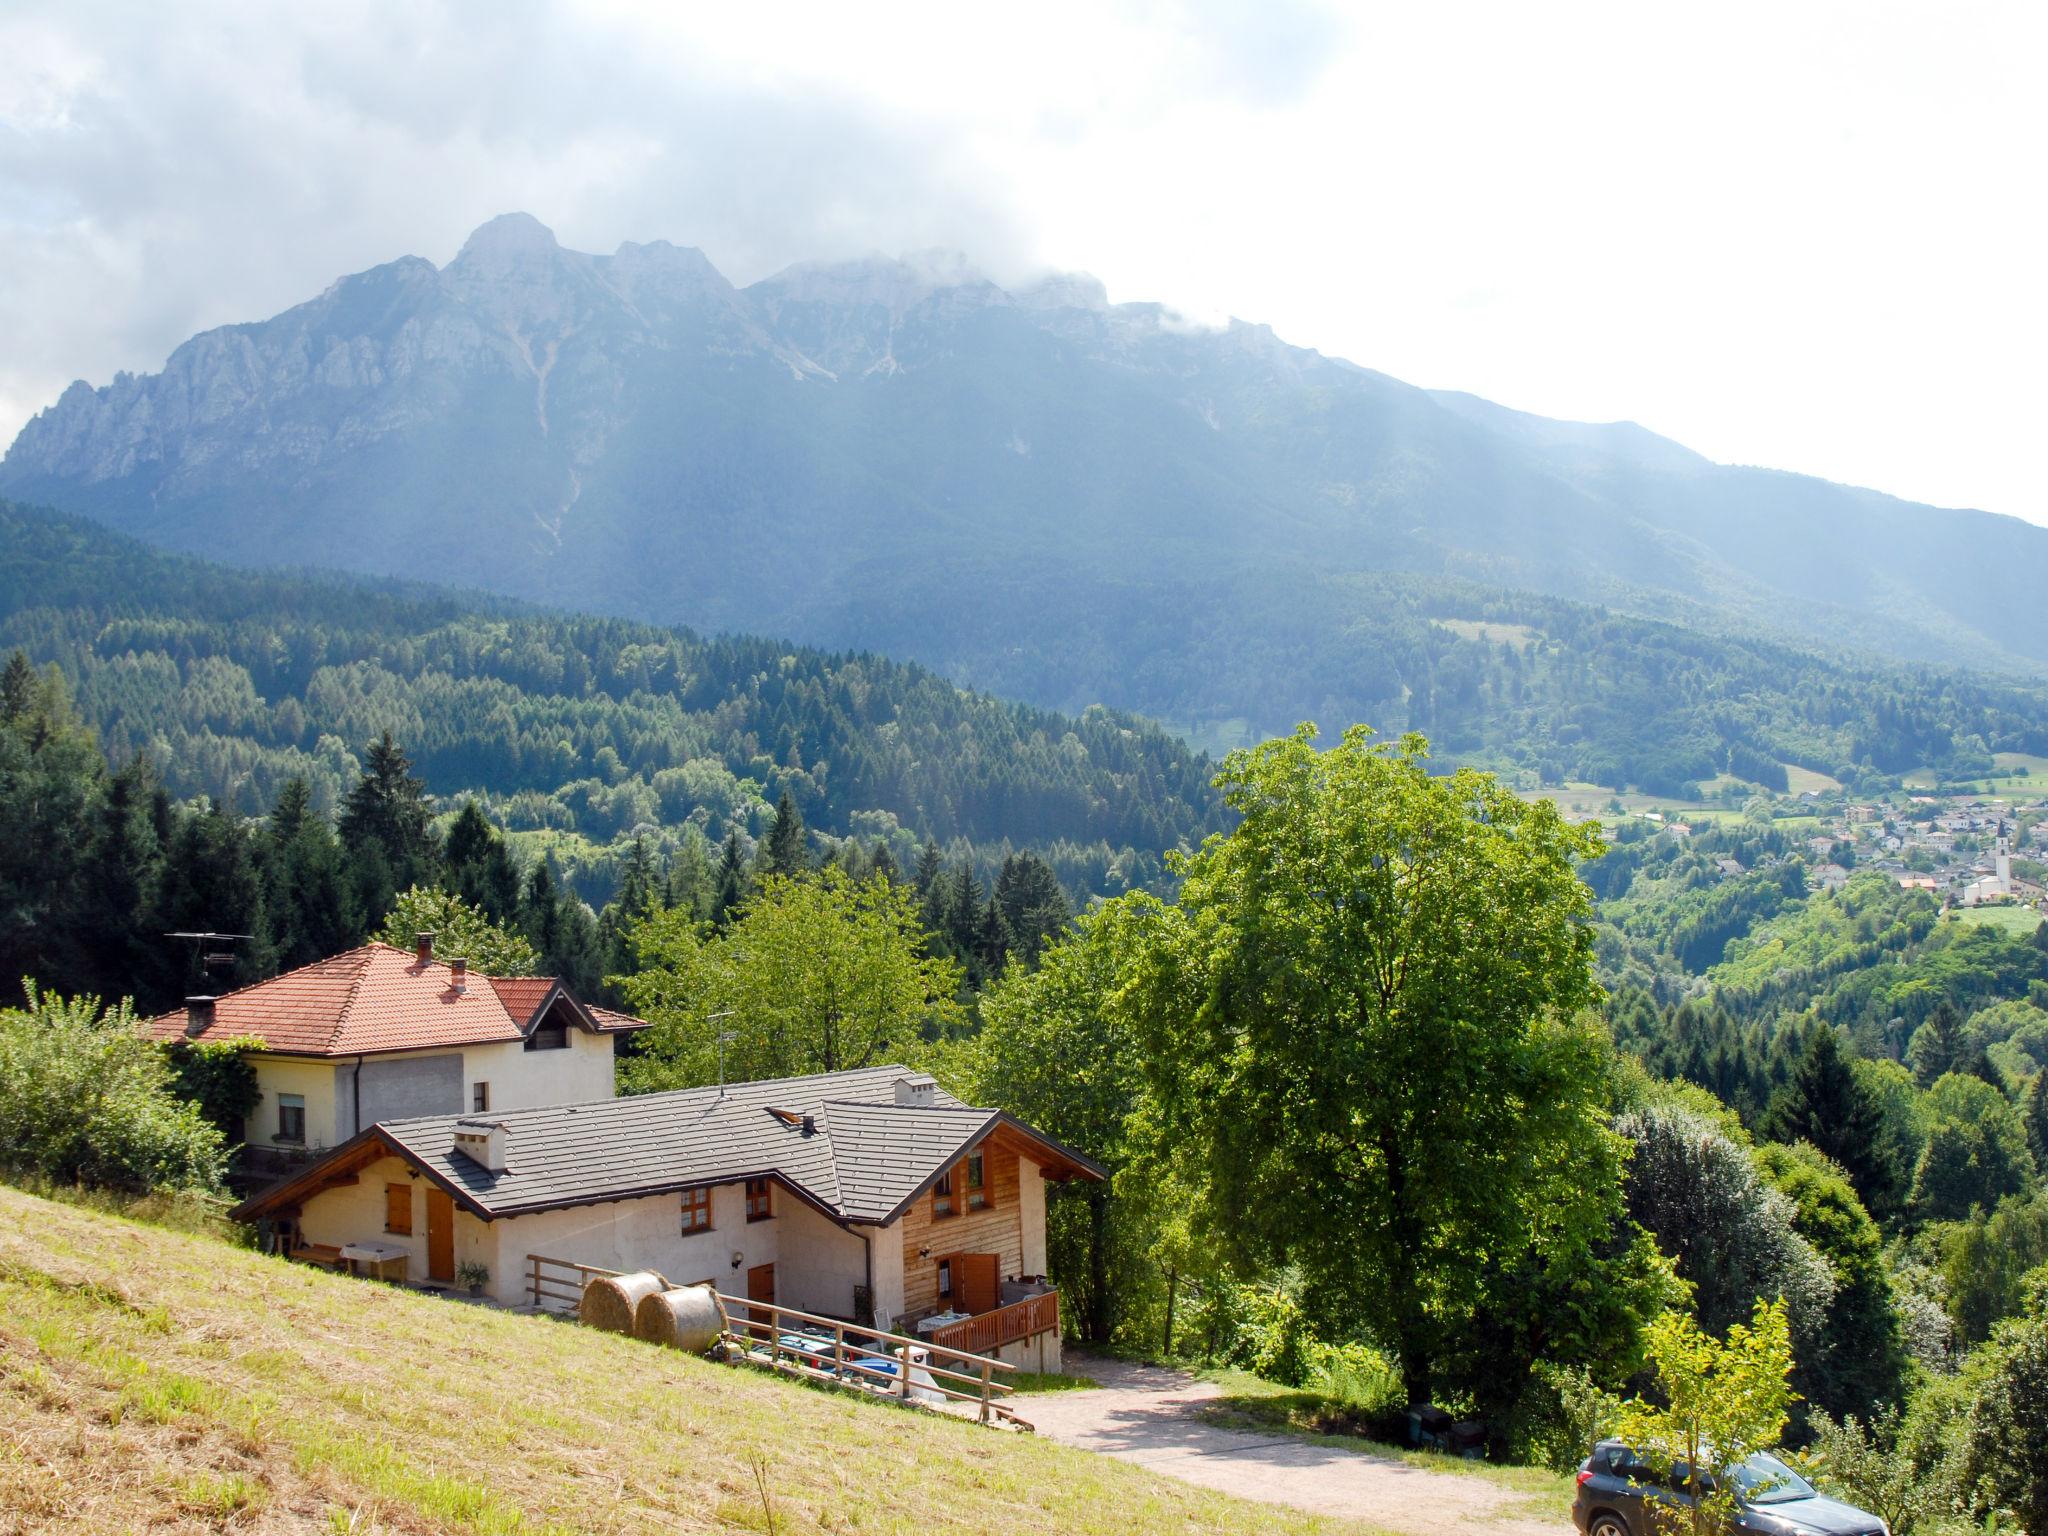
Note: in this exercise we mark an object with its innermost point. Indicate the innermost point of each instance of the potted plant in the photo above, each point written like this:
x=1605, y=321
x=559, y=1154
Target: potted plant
x=473, y=1275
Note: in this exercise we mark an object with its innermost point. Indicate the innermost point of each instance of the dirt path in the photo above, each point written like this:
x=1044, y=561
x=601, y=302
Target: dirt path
x=1146, y=1414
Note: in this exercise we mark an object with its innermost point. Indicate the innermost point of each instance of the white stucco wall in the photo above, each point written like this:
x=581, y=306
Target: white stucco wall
x=519, y=1079
x=354, y=1213
x=817, y=1263
x=313, y=1080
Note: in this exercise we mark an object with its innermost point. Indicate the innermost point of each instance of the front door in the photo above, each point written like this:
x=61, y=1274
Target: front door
x=974, y=1282
x=440, y=1235
x=761, y=1287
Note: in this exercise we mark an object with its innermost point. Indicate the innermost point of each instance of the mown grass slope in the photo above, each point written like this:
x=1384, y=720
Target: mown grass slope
x=158, y=1380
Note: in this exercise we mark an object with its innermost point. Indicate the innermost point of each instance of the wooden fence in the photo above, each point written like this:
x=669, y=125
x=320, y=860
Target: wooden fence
x=825, y=1348
x=832, y=1349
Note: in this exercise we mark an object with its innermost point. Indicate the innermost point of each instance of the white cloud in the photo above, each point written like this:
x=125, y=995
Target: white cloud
x=1801, y=236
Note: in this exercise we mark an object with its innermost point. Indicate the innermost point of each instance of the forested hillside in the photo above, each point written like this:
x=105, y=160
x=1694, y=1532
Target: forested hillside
x=580, y=731
x=581, y=734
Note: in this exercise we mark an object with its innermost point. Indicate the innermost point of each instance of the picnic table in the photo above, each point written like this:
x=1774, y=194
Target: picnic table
x=379, y=1256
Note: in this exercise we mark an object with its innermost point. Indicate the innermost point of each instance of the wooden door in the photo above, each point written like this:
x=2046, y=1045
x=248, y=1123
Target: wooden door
x=974, y=1282
x=761, y=1287
x=440, y=1235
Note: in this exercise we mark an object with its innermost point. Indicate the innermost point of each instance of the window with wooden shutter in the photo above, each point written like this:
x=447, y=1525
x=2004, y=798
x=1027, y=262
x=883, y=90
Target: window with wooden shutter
x=760, y=1200
x=696, y=1210
x=398, y=1209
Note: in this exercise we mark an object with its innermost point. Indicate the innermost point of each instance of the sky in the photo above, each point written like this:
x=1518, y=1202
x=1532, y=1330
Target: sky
x=1808, y=236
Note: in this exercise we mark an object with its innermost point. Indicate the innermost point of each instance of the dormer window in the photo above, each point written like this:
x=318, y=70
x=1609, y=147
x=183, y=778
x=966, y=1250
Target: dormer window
x=548, y=1037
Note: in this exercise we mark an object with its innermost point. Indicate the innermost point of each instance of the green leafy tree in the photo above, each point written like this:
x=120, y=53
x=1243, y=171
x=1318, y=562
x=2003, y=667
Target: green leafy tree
x=1976, y=1154
x=2035, y=1116
x=1867, y=1463
x=1053, y=1051
x=1699, y=1190
x=218, y=1076
x=2005, y=1435
x=1722, y=1402
x=1857, y=1363
x=812, y=975
x=460, y=932
x=1361, y=1021
x=85, y=1099
x=1828, y=1107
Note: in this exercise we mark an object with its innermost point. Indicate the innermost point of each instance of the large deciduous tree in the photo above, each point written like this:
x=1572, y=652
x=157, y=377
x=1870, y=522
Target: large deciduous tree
x=1363, y=1020
x=811, y=975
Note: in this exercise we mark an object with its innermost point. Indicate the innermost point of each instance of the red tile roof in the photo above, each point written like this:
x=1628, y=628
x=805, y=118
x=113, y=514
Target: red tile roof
x=378, y=998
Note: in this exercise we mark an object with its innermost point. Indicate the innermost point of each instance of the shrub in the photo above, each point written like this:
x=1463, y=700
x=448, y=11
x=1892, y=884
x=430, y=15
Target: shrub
x=85, y=1099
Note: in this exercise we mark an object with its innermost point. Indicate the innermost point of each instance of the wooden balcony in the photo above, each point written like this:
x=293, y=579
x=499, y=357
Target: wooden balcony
x=986, y=1332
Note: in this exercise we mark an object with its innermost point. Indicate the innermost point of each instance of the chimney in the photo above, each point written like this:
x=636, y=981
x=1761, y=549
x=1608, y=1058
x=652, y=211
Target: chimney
x=423, y=947
x=458, y=970
x=484, y=1142
x=919, y=1092
x=198, y=1015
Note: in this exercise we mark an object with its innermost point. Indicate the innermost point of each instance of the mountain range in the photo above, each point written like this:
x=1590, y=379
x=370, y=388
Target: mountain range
x=1029, y=488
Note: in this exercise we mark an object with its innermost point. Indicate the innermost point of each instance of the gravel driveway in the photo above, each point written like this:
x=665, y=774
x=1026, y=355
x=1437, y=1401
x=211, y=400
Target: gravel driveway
x=1146, y=1414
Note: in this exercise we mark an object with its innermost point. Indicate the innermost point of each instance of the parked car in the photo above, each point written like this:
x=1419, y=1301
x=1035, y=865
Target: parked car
x=1617, y=1491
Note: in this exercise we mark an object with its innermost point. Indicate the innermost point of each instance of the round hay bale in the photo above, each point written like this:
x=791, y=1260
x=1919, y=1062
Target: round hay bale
x=608, y=1301
x=687, y=1318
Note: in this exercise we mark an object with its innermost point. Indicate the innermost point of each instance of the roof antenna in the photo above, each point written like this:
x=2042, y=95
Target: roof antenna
x=724, y=1038
x=205, y=961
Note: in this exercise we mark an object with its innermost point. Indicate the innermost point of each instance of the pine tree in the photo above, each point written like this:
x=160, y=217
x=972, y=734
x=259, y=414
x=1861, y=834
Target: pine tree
x=964, y=909
x=882, y=865
x=929, y=868
x=311, y=904
x=1034, y=906
x=785, y=852
x=212, y=884
x=731, y=890
x=387, y=830
x=2035, y=1114
x=1937, y=1044
x=115, y=926
x=1827, y=1105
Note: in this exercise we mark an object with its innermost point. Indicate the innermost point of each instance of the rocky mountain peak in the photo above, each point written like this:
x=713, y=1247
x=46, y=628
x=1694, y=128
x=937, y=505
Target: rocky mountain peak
x=508, y=239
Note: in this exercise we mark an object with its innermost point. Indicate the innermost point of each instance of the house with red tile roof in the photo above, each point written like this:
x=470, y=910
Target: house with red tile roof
x=381, y=1033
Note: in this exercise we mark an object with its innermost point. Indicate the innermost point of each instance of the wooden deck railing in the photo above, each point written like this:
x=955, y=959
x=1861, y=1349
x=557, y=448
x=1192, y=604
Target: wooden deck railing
x=986, y=1332
x=556, y=1285
x=832, y=1349
x=823, y=1348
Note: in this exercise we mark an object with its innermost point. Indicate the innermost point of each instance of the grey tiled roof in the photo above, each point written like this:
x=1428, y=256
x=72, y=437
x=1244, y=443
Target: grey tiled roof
x=864, y=1157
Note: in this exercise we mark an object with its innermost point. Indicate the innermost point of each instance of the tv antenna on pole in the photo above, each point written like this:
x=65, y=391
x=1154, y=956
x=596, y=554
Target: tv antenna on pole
x=724, y=1038
x=206, y=961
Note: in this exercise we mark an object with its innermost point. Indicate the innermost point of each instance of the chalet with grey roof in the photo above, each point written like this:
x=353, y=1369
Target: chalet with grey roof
x=382, y=1033
x=870, y=1195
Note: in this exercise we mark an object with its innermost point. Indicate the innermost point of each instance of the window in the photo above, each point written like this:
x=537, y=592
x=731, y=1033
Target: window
x=549, y=1037
x=977, y=1185
x=480, y=1098
x=945, y=1279
x=942, y=1195
x=398, y=1209
x=291, y=1117
x=760, y=1200
x=696, y=1210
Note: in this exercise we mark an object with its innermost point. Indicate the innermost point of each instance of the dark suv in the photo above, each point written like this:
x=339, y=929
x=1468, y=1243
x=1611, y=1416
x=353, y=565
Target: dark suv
x=1617, y=1491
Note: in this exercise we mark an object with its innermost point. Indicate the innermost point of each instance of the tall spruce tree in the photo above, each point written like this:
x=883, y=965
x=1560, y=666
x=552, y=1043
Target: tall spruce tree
x=1937, y=1044
x=731, y=890
x=387, y=829
x=2034, y=1112
x=1033, y=904
x=785, y=853
x=1826, y=1105
x=311, y=903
